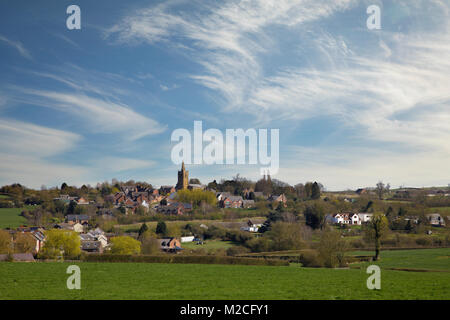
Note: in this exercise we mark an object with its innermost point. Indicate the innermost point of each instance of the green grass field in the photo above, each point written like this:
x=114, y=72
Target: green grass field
x=445, y=211
x=10, y=218
x=430, y=259
x=208, y=245
x=182, y=281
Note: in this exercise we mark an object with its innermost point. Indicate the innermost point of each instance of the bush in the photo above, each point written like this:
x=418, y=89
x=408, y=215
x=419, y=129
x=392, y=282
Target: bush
x=58, y=243
x=357, y=244
x=261, y=244
x=125, y=245
x=422, y=241
x=311, y=258
x=235, y=250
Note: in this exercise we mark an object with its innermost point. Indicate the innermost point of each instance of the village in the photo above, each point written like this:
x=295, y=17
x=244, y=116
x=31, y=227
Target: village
x=253, y=211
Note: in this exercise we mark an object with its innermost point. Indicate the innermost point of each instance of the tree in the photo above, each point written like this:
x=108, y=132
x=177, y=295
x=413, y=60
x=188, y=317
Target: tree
x=315, y=216
x=315, y=191
x=332, y=248
x=161, y=228
x=125, y=245
x=376, y=229
x=71, y=208
x=150, y=245
x=286, y=236
x=381, y=188
x=5, y=242
x=24, y=243
x=65, y=243
x=143, y=229
x=194, y=181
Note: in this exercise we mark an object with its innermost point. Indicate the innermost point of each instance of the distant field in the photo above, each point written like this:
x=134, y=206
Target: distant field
x=182, y=281
x=432, y=259
x=208, y=245
x=441, y=210
x=10, y=218
x=152, y=224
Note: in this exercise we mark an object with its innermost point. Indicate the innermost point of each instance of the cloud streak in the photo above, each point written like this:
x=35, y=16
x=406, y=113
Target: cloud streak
x=18, y=46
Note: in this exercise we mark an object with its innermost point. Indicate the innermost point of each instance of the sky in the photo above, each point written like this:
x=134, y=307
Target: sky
x=353, y=106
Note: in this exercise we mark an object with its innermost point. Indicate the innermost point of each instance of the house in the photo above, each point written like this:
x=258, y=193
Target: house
x=65, y=198
x=92, y=246
x=361, y=191
x=251, y=226
x=94, y=241
x=77, y=227
x=154, y=192
x=166, y=189
x=176, y=208
x=77, y=218
x=278, y=198
x=128, y=189
x=39, y=237
x=365, y=217
x=170, y=244
x=222, y=195
x=232, y=202
x=248, y=203
x=82, y=201
x=187, y=239
x=345, y=218
x=436, y=220
x=119, y=198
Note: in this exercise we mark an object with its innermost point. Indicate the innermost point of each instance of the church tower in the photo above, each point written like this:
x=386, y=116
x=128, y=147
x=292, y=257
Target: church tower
x=183, y=178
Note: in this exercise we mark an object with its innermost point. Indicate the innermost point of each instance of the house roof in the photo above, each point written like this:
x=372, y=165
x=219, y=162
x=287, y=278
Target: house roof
x=234, y=198
x=75, y=217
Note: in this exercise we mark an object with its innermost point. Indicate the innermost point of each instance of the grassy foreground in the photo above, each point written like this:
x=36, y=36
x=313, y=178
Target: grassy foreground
x=182, y=281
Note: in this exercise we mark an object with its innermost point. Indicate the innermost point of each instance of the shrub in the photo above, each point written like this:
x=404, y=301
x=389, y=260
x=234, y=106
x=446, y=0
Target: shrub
x=125, y=245
x=58, y=243
x=235, y=250
x=422, y=241
x=311, y=258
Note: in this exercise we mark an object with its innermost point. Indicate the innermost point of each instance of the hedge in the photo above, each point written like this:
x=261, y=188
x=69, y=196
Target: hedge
x=183, y=259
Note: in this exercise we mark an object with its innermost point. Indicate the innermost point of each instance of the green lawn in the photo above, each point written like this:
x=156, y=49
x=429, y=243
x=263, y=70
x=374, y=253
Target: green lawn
x=445, y=211
x=432, y=259
x=190, y=281
x=10, y=218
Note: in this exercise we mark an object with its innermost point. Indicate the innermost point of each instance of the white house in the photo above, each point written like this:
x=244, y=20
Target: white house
x=251, y=227
x=365, y=217
x=435, y=219
x=345, y=218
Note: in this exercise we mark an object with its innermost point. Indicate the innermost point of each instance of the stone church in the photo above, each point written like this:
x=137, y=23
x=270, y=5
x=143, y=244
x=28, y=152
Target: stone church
x=183, y=178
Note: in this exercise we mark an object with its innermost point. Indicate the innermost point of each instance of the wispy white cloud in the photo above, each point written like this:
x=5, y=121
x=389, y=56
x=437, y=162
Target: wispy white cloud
x=115, y=165
x=226, y=38
x=18, y=46
x=101, y=115
x=25, y=152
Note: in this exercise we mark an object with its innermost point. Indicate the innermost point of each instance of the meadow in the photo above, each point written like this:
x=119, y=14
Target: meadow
x=428, y=259
x=10, y=218
x=47, y=280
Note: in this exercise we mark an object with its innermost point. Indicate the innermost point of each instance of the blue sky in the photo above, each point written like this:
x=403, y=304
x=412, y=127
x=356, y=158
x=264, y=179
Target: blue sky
x=353, y=106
